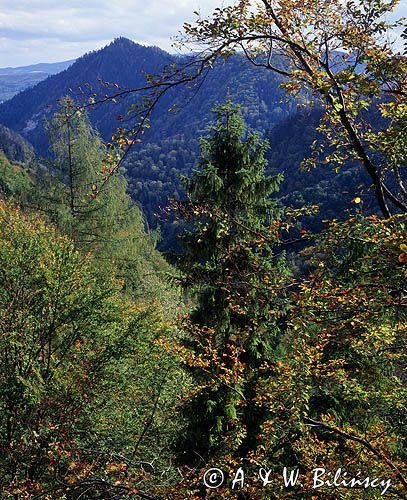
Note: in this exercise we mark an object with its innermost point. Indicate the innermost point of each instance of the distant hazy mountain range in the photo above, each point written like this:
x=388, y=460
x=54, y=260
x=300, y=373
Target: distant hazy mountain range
x=13, y=80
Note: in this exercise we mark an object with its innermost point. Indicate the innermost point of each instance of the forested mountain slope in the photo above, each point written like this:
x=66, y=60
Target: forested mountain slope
x=14, y=147
x=170, y=146
x=127, y=64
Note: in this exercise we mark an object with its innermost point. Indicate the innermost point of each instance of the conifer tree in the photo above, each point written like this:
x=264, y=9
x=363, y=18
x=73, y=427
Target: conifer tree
x=78, y=156
x=229, y=267
x=100, y=216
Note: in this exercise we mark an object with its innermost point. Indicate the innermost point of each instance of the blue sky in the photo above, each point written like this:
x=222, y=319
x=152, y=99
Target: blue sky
x=33, y=31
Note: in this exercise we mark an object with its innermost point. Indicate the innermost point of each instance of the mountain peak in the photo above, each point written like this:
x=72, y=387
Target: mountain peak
x=122, y=61
x=122, y=40
x=127, y=44
x=125, y=50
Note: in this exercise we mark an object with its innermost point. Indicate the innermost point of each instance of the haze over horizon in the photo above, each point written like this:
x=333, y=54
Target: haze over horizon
x=46, y=31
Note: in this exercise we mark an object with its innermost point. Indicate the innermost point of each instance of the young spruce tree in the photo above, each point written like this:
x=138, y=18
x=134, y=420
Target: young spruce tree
x=234, y=276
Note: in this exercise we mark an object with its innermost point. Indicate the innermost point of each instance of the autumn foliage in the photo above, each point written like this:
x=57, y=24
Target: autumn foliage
x=264, y=347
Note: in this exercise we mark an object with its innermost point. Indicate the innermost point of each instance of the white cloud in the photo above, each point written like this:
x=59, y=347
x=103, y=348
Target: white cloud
x=34, y=31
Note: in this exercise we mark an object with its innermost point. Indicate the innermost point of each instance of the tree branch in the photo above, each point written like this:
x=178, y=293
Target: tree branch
x=363, y=442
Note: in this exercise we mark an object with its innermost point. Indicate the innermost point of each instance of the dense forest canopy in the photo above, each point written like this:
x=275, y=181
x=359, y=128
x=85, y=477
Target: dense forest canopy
x=267, y=359
x=169, y=148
